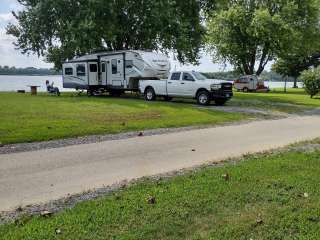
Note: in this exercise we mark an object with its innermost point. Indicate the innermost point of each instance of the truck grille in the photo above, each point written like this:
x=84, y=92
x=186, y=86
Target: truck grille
x=226, y=86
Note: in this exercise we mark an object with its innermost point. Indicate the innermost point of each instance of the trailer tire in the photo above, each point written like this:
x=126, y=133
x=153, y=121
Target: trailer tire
x=149, y=94
x=245, y=89
x=115, y=93
x=203, y=98
x=90, y=93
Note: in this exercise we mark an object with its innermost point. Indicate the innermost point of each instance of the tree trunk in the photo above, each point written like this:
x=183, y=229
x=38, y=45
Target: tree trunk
x=295, y=84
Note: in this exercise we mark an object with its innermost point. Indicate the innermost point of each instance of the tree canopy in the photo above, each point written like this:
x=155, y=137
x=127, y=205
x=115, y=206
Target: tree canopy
x=250, y=33
x=60, y=29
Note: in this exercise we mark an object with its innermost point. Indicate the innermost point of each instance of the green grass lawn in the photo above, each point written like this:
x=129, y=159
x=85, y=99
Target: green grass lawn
x=294, y=100
x=268, y=196
x=26, y=118
x=277, y=100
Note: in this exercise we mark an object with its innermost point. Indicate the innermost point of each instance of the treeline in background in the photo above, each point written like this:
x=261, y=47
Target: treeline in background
x=232, y=75
x=6, y=70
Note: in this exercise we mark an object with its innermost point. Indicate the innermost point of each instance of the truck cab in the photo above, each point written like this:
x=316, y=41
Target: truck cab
x=189, y=85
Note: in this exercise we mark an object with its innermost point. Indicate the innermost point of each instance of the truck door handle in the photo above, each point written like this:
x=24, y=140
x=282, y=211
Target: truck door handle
x=182, y=83
x=169, y=82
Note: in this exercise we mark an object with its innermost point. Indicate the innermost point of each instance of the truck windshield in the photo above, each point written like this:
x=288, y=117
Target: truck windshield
x=199, y=76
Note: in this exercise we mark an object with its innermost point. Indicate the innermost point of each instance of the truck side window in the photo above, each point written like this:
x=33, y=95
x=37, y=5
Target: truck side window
x=175, y=76
x=81, y=70
x=187, y=77
x=114, y=66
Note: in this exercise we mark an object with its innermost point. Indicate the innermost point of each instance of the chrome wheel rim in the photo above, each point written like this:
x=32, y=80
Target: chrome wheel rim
x=203, y=98
x=149, y=95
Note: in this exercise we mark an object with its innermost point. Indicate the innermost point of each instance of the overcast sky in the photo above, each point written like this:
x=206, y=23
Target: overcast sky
x=12, y=57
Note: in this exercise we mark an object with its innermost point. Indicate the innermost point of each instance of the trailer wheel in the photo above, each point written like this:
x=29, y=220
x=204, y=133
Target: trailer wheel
x=115, y=93
x=203, y=98
x=245, y=89
x=90, y=93
x=149, y=94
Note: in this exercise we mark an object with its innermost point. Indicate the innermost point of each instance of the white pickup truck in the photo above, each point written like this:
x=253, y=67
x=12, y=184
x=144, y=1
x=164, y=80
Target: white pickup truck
x=190, y=85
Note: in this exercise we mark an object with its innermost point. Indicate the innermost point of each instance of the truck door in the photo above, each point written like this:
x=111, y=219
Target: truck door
x=115, y=72
x=187, y=83
x=174, y=84
x=93, y=74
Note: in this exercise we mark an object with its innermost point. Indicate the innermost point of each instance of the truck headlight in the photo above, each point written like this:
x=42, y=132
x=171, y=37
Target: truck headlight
x=215, y=86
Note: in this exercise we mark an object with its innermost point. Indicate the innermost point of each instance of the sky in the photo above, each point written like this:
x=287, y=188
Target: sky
x=12, y=57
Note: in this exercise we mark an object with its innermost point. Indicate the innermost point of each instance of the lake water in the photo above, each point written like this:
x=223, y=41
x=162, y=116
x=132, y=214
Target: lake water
x=14, y=83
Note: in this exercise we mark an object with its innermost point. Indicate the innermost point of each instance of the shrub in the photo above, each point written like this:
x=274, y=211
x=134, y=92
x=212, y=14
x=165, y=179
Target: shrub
x=311, y=81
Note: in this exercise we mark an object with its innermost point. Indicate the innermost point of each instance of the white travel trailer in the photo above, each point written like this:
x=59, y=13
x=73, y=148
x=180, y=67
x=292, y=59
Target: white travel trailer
x=114, y=72
x=250, y=83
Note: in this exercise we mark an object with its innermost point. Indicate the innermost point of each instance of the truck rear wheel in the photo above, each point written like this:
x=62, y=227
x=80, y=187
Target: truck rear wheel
x=149, y=94
x=203, y=98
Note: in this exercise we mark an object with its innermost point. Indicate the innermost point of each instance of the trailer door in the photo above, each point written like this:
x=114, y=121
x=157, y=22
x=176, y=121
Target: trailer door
x=93, y=74
x=116, y=72
x=103, y=68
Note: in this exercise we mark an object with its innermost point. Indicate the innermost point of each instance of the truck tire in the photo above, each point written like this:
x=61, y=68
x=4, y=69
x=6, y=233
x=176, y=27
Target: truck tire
x=149, y=94
x=220, y=102
x=203, y=98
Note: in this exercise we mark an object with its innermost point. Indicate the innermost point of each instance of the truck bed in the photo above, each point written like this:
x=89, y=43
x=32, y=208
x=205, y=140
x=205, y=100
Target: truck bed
x=159, y=86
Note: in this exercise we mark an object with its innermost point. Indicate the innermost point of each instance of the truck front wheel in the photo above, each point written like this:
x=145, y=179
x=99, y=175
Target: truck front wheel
x=149, y=94
x=203, y=98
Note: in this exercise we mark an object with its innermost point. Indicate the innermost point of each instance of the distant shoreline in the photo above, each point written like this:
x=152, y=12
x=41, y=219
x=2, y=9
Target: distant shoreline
x=38, y=75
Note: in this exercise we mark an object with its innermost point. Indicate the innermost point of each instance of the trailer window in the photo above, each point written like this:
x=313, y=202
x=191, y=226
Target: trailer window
x=129, y=64
x=103, y=66
x=81, y=70
x=114, y=66
x=93, y=68
x=68, y=71
x=175, y=76
x=243, y=80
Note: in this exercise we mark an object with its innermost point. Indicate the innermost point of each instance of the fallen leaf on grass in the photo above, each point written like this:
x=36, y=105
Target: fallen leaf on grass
x=226, y=176
x=46, y=213
x=151, y=200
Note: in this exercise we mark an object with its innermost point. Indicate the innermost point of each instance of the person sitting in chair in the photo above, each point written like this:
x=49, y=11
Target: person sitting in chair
x=51, y=88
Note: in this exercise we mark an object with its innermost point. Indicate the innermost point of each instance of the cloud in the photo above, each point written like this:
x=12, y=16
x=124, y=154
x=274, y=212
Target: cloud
x=6, y=17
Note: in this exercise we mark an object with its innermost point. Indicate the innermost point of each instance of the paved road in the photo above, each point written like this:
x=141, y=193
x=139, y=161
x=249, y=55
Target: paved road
x=34, y=177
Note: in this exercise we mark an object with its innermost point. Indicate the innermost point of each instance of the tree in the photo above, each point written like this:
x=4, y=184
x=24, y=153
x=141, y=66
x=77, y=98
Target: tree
x=305, y=50
x=250, y=33
x=60, y=29
x=294, y=65
x=311, y=81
